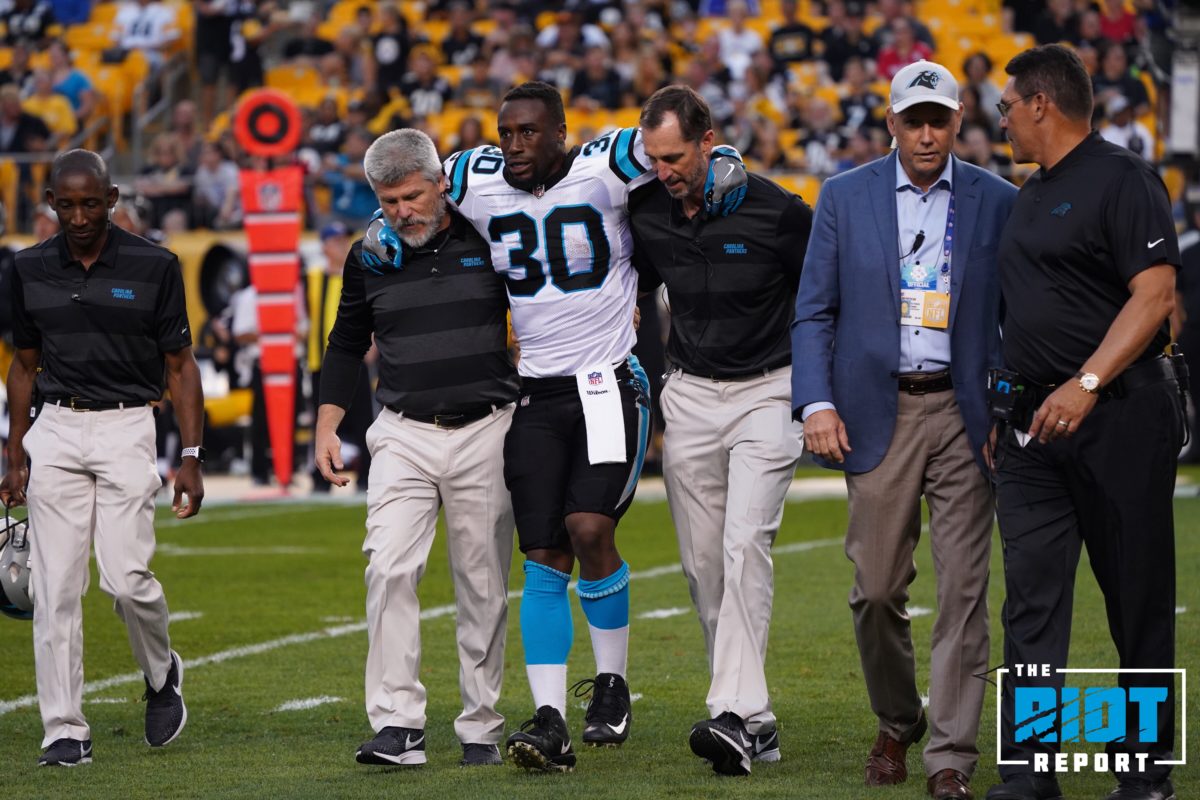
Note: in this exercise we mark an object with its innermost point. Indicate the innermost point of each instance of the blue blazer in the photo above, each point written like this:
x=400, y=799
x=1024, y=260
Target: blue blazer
x=846, y=335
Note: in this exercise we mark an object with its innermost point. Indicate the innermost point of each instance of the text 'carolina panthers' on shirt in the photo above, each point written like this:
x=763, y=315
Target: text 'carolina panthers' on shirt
x=1077, y=236
x=439, y=323
x=564, y=253
x=102, y=331
x=731, y=281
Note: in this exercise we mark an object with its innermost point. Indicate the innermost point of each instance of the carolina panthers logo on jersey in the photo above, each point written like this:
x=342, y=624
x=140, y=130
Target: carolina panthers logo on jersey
x=927, y=78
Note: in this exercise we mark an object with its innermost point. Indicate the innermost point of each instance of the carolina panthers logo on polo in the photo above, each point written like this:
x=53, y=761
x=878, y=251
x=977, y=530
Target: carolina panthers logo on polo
x=471, y=261
x=735, y=249
x=1061, y=209
x=122, y=294
x=927, y=78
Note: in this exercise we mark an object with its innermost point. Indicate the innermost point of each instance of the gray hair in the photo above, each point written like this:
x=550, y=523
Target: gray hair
x=397, y=154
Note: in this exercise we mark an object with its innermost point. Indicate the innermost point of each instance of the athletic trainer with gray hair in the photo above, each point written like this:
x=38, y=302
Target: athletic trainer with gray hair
x=437, y=311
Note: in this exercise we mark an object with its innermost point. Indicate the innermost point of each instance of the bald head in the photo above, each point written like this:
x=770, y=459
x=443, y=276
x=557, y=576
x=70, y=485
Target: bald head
x=79, y=162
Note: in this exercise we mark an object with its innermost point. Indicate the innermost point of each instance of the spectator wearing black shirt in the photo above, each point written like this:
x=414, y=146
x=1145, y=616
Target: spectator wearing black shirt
x=1089, y=33
x=461, y=45
x=20, y=132
x=1114, y=80
x=327, y=131
x=861, y=106
x=27, y=20
x=729, y=447
x=1056, y=24
x=307, y=46
x=478, y=89
x=892, y=10
x=427, y=92
x=390, y=49
x=844, y=38
x=793, y=40
x=597, y=85
x=1087, y=271
x=18, y=72
x=212, y=45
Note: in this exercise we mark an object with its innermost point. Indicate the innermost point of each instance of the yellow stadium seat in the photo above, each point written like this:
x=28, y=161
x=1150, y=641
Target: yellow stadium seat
x=289, y=76
x=92, y=36
x=626, y=117
x=451, y=72
x=103, y=13
x=9, y=181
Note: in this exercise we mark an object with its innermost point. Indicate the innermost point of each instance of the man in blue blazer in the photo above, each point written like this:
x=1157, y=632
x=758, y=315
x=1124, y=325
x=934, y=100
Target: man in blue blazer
x=897, y=323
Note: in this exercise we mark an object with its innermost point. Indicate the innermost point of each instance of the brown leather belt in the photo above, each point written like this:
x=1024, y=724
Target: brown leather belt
x=926, y=382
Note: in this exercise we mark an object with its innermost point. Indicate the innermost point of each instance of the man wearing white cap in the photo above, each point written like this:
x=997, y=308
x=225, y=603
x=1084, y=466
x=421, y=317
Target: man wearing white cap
x=895, y=330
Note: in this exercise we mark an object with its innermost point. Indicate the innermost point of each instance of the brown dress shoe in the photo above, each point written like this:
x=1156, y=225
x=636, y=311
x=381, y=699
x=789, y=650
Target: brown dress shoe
x=950, y=784
x=885, y=764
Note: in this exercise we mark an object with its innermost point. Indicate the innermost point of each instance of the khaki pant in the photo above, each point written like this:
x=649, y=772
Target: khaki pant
x=417, y=468
x=93, y=477
x=729, y=454
x=929, y=455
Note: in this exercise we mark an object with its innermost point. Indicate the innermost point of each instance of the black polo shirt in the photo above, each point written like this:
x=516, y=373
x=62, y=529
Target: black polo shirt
x=440, y=323
x=102, y=331
x=1077, y=235
x=731, y=281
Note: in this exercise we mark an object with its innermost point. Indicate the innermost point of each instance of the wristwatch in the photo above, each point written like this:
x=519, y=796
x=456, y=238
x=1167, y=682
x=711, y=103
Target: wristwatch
x=198, y=453
x=1088, y=382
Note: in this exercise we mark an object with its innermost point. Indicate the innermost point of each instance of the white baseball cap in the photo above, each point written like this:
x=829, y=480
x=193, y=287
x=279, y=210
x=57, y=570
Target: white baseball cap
x=924, y=82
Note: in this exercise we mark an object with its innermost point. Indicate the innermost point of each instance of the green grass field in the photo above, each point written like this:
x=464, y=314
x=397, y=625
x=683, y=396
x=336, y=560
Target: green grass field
x=275, y=593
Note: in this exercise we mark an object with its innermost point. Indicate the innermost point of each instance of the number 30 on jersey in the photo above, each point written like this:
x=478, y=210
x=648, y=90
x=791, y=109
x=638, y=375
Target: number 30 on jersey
x=553, y=231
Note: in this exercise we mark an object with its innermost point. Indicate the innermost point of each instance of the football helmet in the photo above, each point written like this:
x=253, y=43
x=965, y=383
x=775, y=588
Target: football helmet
x=15, y=599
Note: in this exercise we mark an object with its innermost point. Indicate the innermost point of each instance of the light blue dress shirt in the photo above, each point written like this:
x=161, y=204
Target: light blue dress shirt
x=921, y=349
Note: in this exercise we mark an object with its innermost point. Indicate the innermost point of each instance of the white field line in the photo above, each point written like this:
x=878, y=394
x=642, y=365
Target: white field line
x=91, y=687
x=168, y=549
x=919, y=611
x=307, y=703
x=663, y=613
x=1180, y=609
x=183, y=616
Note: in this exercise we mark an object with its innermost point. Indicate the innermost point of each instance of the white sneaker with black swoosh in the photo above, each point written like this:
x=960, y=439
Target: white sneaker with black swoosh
x=765, y=746
x=606, y=723
x=724, y=743
x=393, y=745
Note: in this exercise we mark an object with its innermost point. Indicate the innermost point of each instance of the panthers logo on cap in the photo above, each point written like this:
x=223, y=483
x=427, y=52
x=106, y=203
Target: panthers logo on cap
x=928, y=78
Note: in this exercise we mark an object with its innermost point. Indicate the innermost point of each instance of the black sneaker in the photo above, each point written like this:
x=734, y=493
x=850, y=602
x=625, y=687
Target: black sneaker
x=66, y=753
x=542, y=743
x=1138, y=789
x=165, y=712
x=765, y=746
x=606, y=723
x=393, y=745
x=480, y=755
x=724, y=743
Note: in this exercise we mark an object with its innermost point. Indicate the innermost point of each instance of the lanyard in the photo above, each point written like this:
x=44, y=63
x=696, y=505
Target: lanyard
x=947, y=247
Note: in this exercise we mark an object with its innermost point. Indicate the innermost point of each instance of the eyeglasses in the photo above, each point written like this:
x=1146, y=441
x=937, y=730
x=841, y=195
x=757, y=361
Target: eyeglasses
x=1005, y=106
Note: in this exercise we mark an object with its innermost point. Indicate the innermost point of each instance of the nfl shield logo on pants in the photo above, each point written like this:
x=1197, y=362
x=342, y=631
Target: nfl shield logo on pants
x=595, y=378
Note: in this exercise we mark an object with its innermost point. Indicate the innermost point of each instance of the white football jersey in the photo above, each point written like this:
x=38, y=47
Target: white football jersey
x=565, y=255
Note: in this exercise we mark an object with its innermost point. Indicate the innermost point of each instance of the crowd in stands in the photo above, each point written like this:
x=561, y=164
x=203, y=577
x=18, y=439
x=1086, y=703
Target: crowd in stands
x=799, y=86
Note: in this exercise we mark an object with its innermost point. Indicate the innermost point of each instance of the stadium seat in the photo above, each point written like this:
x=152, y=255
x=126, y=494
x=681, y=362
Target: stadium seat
x=9, y=181
x=290, y=76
